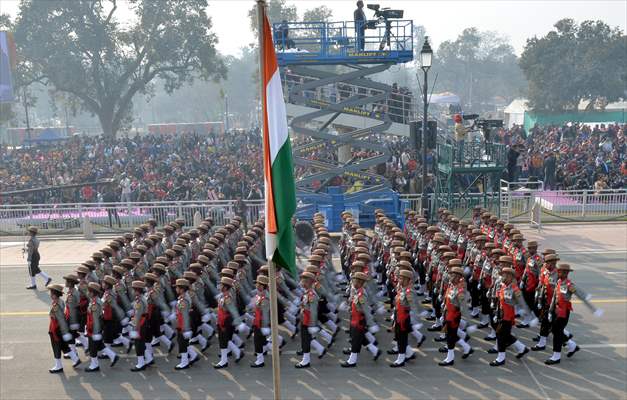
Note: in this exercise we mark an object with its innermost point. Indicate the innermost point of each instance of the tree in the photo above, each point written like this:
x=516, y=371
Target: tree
x=277, y=11
x=575, y=62
x=318, y=14
x=79, y=47
x=478, y=66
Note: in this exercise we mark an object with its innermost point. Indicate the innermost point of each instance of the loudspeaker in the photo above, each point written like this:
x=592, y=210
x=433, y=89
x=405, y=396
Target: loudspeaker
x=415, y=134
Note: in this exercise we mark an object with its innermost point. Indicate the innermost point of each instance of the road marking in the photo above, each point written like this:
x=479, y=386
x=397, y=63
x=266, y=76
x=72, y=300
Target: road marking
x=617, y=272
x=533, y=376
x=604, y=346
x=574, y=252
x=6, y=358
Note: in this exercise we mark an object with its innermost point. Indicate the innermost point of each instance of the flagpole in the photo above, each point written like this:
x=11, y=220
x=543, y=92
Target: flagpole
x=274, y=320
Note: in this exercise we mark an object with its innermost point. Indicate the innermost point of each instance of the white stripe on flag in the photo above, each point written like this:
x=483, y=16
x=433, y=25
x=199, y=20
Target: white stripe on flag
x=277, y=118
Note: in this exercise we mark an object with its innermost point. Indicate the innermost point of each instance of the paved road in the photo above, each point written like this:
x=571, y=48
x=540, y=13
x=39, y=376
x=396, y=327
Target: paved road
x=599, y=371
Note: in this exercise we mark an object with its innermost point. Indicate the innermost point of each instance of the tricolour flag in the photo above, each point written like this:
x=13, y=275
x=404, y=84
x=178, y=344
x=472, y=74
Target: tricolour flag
x=280, y=192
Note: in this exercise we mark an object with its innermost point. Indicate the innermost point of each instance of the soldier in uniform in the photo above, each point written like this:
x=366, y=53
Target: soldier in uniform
x=559, y=313
x=33, y=258
x=309, y=320
x=60, y=335
x=139, y=331
x=404, y=307
x=113, y=318
x=361, y=320
x=72, y=315
x=183, y=325
x=544, y=295
x=454, y=309
x=94, y=326
x=229, y=320
x=261, y=321
x=529, y=280
x=508, y=296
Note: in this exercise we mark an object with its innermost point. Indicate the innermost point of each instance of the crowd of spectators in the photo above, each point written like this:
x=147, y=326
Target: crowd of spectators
x=229, y=166
x=568, y=157
x=143, y=168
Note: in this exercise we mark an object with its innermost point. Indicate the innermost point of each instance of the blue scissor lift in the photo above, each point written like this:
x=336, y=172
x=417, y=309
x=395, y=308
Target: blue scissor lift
x=324, y=68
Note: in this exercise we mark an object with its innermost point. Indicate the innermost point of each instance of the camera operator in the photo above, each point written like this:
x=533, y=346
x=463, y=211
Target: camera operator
x=360, y=25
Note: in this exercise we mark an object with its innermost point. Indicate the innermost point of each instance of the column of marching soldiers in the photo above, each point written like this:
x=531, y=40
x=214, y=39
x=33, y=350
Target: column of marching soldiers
x=156, y=288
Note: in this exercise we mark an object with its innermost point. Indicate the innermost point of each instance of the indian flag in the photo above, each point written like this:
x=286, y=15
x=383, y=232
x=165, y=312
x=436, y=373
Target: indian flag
x=278, y=168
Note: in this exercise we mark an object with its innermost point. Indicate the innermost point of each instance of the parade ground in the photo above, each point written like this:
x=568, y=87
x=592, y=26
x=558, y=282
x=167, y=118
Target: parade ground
x=598, y=254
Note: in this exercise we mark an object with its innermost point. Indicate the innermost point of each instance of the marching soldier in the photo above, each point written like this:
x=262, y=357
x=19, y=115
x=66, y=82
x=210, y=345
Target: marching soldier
x=544, y=295
x=139, y=331
x=529, y=280
x=94, y=326
x=71, y=312
x=228, y=321
x=261, y=321
x=404, y=308
x=309, y=320
x=454, y=308
x=183, y=325
x=113, y=318
x=508, y=296
x=33, y=257
x=60, y=336
x=559, y=312
x=361, y=320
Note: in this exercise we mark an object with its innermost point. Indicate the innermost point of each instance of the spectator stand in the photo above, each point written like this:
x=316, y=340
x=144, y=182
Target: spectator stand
x=342, y=109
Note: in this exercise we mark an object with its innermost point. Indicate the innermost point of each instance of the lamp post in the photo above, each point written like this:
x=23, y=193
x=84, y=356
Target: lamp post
x=426, y=57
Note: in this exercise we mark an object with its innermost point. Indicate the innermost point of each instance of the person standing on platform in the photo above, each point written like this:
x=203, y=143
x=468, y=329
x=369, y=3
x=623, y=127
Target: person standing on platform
x=33, y=257
x=360, y=25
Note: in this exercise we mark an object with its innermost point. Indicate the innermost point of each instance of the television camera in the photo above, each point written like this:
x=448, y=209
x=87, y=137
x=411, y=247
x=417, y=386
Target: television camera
x=483, y=124
x=383, y=15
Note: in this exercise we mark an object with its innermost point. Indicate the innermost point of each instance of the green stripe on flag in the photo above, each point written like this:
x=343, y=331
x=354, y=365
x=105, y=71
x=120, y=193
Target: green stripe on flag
x=284, y=192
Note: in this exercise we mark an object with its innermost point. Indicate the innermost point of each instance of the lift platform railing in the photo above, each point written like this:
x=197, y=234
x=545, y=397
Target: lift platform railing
x=472, y=155
x=400, y=105
x=343, y=42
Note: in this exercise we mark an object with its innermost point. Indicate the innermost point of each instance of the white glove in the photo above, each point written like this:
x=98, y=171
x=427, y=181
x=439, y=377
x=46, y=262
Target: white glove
x=74, y=327
x=588, y=297
x=416, y=327
x=124, y=321
x=381, y=309
x=187, y=334
x=173, y=304
x=373, y=329
x=550, y=317
x=134, y=334
x=313, y=330
x=292, y=309
x=296, y=302
x=265, y=331
x=471, y=328
x=205, y=317
x=171, y=317
x=343, y=306
x=130, y=313
x=164, y=314
x=598, y=312
x=495, y=319
x=466, y=271
x=97, y=337
x=534, y=322
x=242, y=327
x=67, y=337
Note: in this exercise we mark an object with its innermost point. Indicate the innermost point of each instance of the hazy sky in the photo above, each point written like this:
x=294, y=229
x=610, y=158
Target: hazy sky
x=443, y=19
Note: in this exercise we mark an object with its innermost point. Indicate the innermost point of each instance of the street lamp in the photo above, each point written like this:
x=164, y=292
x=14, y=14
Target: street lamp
x=426, y=57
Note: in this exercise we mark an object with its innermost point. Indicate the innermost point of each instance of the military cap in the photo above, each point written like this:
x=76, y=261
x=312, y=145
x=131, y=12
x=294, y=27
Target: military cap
x=406, y=274
x=433, y=229
x=363, y=256
x=107, y=250
x=94, y=286
x=422, y=225
x=33, y=229
x=177, y=248
x=359, y=275
x=233, y=265
x=181, y=282
x=505, y=259
x=135, y=255
x=456, y=270
x=551, y=257
x=97, y=255
x=548, y=251
x=225, y=280
x=120, y=270
x=532, y=243
x=518, y=236
x=507, y=270
x=109, y=279
x=241, y=249
x=227, y=272
x=159, y=267
x=262, y=280
x=315, y=257
x=195, y=266
x=449, y=254
x=169, y=228
x=499, y=252
x=490, y=245
x=190, y=275
x=90, y=263
x=141, y=249
x=128, y=236
x=114, y=245
x=455, y=262
x=480, y=238
x=56, y=287
x=71, y=277
x=127, y=262
x=564, y=267
x=444, y=247
x=138, y=231
x=312, y=268
x=404, y=264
